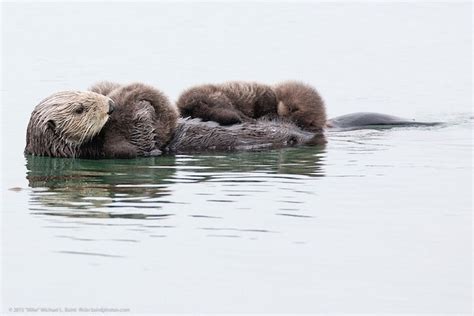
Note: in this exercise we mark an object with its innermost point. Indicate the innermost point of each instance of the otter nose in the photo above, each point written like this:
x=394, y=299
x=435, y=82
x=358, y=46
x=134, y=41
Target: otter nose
x=111, y=107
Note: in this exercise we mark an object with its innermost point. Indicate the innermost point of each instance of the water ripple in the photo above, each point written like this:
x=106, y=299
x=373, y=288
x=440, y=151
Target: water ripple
x=89, y=254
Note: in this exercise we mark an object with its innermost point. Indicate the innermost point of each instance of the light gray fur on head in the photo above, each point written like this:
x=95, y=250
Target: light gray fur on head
x=65, y=120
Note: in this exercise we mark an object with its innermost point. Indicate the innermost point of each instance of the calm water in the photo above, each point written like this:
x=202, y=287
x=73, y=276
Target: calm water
x=377, y=221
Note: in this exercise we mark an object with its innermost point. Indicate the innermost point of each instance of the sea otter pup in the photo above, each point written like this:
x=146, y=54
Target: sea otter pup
x=236, y=102
x=144, y=116
x=132, y=120
x=228, y=103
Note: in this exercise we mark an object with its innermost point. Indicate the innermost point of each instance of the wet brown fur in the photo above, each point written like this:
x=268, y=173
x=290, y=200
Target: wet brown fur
x=143, y=122
x=228, y=103
x=236, y=102
x=301, y=103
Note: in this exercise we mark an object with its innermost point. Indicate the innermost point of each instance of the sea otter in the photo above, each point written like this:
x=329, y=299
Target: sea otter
x=228, y=103
x=137, y=120
x=235, y=102
x=127, y=121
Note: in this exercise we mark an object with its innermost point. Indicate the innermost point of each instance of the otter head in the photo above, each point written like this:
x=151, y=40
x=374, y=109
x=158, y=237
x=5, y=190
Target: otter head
x=302, y=105
x=306, y=119
x=61, y=123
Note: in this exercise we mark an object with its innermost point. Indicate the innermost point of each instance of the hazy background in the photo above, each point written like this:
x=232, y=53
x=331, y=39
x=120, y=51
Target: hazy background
x=388, y=213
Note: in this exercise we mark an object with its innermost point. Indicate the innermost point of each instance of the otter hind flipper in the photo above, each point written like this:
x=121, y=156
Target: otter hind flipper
x=373, y=120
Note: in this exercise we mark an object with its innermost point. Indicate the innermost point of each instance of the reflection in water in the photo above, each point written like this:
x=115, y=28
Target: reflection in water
x=77, y=188
x=139, y=188
x=89, y=204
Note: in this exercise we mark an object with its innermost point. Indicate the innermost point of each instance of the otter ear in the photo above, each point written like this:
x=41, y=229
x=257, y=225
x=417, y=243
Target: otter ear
x=51, y=125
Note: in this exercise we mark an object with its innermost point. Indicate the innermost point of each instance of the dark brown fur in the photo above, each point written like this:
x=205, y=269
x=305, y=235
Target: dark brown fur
x=301, y=104
x=141, y=125
x=228, y=103
x=236, y=102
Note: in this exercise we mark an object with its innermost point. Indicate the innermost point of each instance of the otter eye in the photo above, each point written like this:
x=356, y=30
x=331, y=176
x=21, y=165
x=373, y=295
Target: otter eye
x=79, y=109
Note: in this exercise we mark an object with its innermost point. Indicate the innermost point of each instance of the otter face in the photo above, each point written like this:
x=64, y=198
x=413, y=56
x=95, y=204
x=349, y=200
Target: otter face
x=74, y=116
